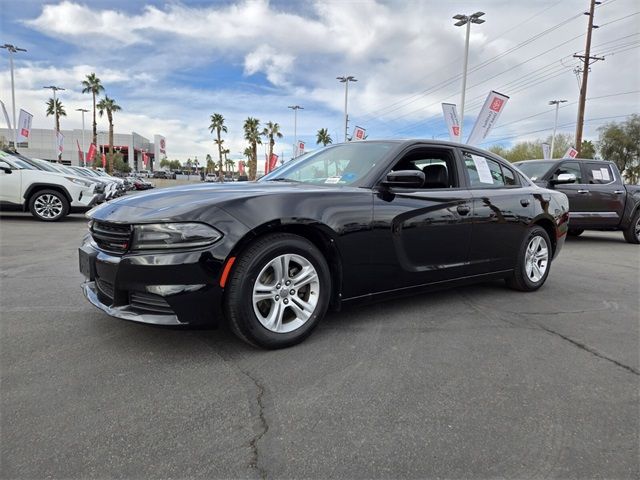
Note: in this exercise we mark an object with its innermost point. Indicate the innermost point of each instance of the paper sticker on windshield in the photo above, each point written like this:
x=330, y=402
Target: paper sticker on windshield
x=484, y=174
x=605, y=174
x=333, y=180
x=596, y=174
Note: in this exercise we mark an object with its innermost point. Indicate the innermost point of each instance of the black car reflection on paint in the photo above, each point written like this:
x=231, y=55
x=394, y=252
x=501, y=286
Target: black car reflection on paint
x=350, y=223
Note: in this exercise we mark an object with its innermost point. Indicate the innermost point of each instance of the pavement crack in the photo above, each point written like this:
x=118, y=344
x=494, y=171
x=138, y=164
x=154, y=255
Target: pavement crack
x=588, y=349
x=255, y=457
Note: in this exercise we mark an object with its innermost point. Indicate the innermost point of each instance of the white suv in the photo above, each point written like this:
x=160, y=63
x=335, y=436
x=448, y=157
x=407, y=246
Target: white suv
x=49, y=196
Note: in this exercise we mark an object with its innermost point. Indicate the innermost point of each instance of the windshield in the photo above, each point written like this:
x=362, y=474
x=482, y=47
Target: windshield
x=342, y=164
x=534, y=170
x=16, y=161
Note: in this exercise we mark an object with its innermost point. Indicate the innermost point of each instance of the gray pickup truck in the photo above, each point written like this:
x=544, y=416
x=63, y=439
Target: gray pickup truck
x=598, y=198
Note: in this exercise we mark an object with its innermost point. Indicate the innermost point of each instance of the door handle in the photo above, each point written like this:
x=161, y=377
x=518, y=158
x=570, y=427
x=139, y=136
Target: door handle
x=618, y=192
x=463, y=209
x=583, y=191
x=524, y=202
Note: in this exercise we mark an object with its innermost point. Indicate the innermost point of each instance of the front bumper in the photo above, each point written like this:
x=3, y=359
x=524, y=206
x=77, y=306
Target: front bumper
x=167, y=288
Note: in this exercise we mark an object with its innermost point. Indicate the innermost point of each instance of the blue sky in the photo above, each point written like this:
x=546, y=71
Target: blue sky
x=172, y=64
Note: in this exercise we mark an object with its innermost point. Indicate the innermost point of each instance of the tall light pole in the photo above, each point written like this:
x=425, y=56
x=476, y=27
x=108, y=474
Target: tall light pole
x=84, y=155
x=13, y=49
x=346, y=79
x=54, y=89
x=295, y=109
x=466, y=20
x=555, y=123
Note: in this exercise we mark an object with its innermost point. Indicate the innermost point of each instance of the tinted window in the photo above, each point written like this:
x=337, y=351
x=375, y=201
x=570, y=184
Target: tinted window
x=569, y=167
x=534, y=170
x=510, y=177
x=599, y=173
x=438, y=166
x=483, y=172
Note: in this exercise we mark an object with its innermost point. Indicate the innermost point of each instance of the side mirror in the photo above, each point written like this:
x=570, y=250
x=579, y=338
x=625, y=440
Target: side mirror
x=404, y=178
x=6, y=169
x=564, y=178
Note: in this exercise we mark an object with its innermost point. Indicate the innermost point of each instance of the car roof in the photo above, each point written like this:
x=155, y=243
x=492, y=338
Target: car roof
x=567, y=158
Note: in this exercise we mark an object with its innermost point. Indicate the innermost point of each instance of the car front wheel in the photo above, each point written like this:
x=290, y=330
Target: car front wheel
x=48, y=205
x=278, y=291
x=534, y=261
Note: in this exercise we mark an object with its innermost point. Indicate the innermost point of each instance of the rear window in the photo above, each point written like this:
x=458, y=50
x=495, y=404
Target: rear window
x=598, y=173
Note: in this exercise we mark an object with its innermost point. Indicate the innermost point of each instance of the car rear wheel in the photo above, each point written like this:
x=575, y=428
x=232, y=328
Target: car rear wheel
x=278, y=291
x=575, y=232
x=48, y=205
x=632, y=232
x=534, y=261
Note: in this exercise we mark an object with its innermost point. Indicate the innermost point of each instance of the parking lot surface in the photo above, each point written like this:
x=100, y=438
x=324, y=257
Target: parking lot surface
x=475, y=382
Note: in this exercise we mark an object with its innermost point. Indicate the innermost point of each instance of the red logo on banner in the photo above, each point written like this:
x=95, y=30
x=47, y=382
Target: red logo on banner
x=24, y=132
x=301, y=146
x=496, y=104
x=360, y=134
x=456, y=130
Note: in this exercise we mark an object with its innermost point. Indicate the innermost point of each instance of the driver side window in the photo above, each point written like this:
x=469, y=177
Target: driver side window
x=437, y=165
x=569, y=167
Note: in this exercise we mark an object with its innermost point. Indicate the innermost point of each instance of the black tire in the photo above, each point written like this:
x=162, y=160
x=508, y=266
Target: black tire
x=48, y=205
x=239, y=300
x=632, y=232
x=521, y=278
x=575, y=232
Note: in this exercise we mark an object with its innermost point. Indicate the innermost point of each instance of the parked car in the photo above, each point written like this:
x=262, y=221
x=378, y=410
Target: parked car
x=347, y=224
x=598, y=198
x=211, y=177
x=48, y=195
x=142, y=184
x=101, y=187
x=111, y=186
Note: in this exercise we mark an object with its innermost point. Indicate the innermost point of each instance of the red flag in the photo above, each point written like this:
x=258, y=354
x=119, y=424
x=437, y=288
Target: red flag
x=274, y=161
x=80, y=153
x=92, y=152
x=266, y=167
x=104, y=161
x=241, y=167
x=145, y=158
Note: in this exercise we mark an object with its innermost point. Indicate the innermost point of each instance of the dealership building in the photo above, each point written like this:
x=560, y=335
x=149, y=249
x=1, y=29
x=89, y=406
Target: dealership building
x=42, y=144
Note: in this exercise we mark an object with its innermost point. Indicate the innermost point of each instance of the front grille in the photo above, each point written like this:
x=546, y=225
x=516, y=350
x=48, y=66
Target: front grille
x=148, y=302
x=111, y=237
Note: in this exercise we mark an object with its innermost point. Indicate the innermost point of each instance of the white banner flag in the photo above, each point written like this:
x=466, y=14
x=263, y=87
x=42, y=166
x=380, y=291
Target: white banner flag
x=359, y=133
x=491, y=110
x=451, y=119
x=24, y=125
x=6, y=117
x=571, y=153
x=300, y=147
x=546, y=151
x=60, y=142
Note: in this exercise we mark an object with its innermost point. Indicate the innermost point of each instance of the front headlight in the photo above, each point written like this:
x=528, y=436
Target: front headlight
x=173, y=235
x=79, y=181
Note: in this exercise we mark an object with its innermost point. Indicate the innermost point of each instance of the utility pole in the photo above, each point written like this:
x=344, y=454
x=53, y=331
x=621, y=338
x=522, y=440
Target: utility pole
x=13, y=49
x=555, y=123
x=346, y=79
x=295, y=109
x=587, y=60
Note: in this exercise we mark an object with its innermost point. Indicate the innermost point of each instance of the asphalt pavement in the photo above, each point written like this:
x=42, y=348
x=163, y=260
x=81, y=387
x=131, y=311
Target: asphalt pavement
x=475, y=382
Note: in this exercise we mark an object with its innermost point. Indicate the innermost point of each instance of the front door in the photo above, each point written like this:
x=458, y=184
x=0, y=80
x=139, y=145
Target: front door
x=578, y=194
x=606, y=194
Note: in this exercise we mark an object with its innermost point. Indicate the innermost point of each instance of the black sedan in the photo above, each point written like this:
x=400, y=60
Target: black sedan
x=349, y=223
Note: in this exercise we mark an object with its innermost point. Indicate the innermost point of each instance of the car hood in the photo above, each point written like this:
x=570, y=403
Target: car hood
x=191, y=202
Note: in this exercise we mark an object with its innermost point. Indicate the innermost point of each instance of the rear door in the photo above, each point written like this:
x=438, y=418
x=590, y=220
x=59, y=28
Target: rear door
x=606, y=197
x=502, y=211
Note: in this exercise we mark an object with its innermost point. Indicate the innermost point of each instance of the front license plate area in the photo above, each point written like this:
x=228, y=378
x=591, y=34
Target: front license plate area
x=87, y=264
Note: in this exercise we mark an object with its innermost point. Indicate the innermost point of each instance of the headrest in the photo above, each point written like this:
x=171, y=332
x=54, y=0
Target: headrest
x=435, y=176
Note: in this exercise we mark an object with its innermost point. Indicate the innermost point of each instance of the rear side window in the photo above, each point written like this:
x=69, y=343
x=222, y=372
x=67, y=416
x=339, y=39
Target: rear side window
x=569, y=167
x=484, y=172
x=598, y=173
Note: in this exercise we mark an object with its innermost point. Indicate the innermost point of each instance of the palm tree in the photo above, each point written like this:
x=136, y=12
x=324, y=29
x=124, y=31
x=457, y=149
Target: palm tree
x=58, y=111
x=230, y=164
x=252, y=135
x=271, y=131
x=218, y=126
x=323, y=137
x=109, y=106
x=93, y=86
x=210, y=165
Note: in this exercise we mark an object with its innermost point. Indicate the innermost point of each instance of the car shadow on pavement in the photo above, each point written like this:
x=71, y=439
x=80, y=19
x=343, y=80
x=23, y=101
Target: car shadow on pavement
x=23, y=217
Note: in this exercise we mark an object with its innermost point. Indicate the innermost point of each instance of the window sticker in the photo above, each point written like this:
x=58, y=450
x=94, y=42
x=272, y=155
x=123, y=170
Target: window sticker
x=333, y=180
x=605, y=174
x=484, y=174
x=596, y=174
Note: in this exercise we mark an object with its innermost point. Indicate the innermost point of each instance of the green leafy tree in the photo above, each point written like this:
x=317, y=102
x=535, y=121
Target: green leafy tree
x=271, y=132
x=211, y=166
x=109, y=106
x=587, y=149
x=620, y=143
x=230, y=164
x=323, y=137
x=175, y=165
x=93, y=86
x=529, y=150
x=164, y=163
x=188, y=164
x=58, y=111
x=252, y=135
x=217, y=125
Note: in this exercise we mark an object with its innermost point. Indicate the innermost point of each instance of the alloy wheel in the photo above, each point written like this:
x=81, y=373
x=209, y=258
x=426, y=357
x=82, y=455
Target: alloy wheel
x=285, y=293
x=48, y=206
x=536, y=259
x=638, y=228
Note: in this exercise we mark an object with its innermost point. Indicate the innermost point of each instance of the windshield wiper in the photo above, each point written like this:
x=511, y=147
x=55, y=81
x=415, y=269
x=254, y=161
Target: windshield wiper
x=282, y=179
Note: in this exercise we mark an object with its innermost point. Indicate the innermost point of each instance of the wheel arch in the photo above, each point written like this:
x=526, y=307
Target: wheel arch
x=319, y=234
x=36, y=187
x=550, y=228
